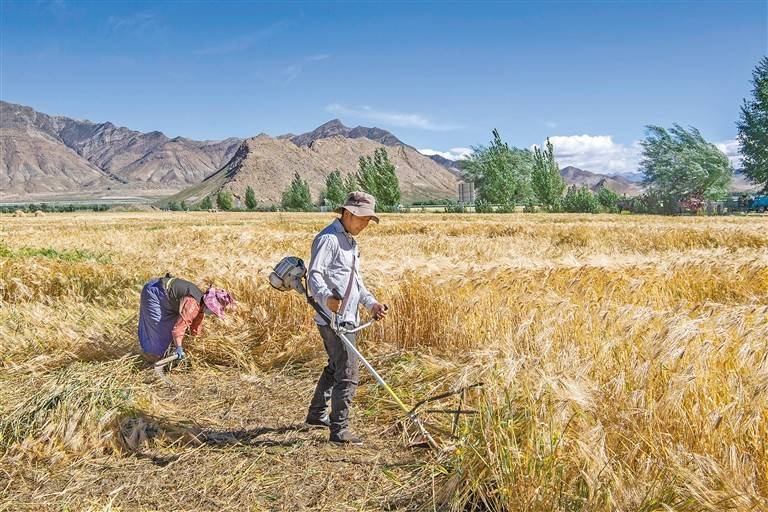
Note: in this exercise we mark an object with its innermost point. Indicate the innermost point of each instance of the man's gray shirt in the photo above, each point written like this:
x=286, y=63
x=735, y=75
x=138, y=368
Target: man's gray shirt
x=333, y=253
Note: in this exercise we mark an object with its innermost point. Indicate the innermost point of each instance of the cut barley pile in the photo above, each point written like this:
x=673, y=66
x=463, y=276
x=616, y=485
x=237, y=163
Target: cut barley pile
x=625, y=362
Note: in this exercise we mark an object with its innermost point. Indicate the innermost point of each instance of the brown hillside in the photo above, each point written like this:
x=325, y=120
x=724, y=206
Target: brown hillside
x=268, y=164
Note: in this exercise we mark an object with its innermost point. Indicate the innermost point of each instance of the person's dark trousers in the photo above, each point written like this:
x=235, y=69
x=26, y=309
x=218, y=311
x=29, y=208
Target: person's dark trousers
x=338, y=381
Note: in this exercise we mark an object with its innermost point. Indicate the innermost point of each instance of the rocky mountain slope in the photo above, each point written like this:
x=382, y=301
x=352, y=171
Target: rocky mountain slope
x=594, y=181
x=49, y=154
x=336, y=127
x=268, y=164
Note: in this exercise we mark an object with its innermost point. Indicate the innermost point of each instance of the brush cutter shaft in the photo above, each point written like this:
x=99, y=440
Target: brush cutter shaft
x=341, y=333
x=358, y=328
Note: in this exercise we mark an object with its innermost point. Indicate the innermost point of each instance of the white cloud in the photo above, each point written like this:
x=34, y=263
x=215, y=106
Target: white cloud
x=731, y=150
x=597, y=153
x=137, y=24
x=242, y=42
x=550, y=124
x=451, y=154
x=293, y=71
x=401, y=119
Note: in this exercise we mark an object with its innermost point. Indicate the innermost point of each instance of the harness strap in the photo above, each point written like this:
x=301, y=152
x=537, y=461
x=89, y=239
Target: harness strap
x=342, y=307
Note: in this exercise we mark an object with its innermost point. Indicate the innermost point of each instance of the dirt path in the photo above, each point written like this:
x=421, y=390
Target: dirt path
x=255, y=455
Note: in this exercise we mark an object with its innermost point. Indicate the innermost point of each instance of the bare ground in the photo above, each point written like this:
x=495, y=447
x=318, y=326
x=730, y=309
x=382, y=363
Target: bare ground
x=252, y=453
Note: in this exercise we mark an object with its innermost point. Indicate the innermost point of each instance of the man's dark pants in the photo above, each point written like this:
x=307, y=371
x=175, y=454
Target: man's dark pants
x=338, y=381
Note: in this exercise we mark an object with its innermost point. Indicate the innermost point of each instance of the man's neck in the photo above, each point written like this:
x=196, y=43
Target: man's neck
x=341, y=221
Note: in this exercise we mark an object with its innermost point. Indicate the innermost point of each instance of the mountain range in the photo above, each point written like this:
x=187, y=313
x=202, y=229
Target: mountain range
x=44, y=157
x=42, y=154
x=53, y=156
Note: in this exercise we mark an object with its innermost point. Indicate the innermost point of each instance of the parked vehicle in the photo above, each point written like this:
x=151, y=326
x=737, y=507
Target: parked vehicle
x=759, y=204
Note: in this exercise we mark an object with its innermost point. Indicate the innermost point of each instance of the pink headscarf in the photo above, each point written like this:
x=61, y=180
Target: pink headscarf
x=218, y=300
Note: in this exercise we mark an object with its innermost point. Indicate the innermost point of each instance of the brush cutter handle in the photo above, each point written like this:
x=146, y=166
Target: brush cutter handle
x=167, y=360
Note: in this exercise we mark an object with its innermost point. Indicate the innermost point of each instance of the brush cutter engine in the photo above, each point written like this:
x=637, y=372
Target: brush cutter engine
x=289, y=275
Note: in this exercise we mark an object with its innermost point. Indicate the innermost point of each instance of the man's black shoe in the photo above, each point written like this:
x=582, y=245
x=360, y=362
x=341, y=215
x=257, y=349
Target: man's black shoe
x=345, y=437
x=323, y=422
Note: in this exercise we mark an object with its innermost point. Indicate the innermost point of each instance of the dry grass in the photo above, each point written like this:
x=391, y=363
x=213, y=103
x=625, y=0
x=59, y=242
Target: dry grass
x=625, y=361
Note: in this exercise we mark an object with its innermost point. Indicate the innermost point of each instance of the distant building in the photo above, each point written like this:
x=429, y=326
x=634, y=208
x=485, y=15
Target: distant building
x=466, y=193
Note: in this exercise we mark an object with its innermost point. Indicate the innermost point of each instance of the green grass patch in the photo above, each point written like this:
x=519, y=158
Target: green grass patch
x=47, y=252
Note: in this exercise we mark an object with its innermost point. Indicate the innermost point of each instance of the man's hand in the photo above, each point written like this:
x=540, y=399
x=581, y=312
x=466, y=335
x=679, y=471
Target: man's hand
x=379, y=311
x=333, y=304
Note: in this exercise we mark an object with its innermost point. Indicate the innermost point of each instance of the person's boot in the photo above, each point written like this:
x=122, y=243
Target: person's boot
x=345, y=437
x=321, y=422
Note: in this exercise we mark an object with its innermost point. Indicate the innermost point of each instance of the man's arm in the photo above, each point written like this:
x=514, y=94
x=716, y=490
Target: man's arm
x=378, y=311
x=366, y=298
x=323, y=253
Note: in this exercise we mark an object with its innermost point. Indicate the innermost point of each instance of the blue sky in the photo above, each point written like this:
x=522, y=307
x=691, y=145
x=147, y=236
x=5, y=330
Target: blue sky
x=439, y=75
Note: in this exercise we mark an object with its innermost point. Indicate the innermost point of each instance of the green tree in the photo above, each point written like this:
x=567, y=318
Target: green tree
x=679, y=164
x=297, y=195
x=546, y=181
x=608, y=199
x=501, y=174
x=580, y=200
x=224, y=200
x=174, y=206
x=753, y=128
x=376, y=175
x=350, y=183
x=335, y=190
x=250, y=198
x=206, y=203
x=183, y=205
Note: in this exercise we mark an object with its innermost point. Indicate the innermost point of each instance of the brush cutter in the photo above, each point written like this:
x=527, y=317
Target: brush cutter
x=290, y=274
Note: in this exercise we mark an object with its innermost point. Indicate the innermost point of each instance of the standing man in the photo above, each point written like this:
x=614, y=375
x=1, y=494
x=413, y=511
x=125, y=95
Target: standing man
x=336, y=284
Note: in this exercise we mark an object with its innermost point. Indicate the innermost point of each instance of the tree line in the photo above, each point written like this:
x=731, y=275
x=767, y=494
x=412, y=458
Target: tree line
x=680, y=168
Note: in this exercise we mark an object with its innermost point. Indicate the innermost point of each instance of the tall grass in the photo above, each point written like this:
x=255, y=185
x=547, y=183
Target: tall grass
x=625, y=358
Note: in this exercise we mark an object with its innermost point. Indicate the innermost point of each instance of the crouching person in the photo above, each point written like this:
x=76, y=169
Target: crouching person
x=336, y=284
x=169, y=307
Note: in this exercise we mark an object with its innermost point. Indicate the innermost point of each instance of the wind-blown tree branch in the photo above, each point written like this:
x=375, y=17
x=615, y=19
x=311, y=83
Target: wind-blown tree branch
x=679, y=165
x=546, y=181
x=501, y=174
x=753, y=128
x=376, y=175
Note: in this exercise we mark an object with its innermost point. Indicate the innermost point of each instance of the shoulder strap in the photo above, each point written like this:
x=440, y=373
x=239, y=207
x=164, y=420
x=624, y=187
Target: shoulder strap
x=349, y=284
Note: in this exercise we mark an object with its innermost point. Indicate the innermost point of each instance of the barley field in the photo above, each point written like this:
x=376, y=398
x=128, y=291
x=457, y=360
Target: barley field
x=624, y=362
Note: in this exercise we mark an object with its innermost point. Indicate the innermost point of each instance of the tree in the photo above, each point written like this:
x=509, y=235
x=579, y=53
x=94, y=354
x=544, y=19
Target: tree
x=250, y=198
x=224, y=200
x=546, y=181
x=679, y=164
x=608, y=199
x=206, y=203
x=335, y=190
x=753, y=128
x=580, y=200
x=174, y=206
x=297, y=195
x=183, y=205
x=502, y=175
x=376, y=175
x=350, y=183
